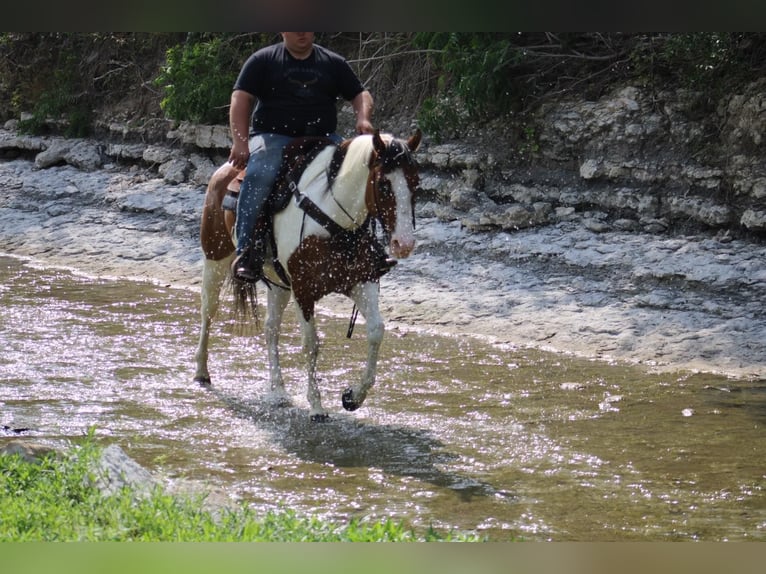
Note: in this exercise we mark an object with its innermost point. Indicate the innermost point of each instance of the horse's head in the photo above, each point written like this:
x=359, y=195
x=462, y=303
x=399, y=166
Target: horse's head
x=392, y=187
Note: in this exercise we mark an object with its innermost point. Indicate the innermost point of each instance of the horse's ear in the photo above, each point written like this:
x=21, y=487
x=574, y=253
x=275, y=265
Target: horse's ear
x=377, y=142
x=414, y=140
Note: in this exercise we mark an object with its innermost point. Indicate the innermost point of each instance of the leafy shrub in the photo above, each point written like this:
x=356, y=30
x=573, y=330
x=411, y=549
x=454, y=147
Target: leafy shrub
x=198, y=76
x=57, y=500
x=63, y=99
x=475, y=80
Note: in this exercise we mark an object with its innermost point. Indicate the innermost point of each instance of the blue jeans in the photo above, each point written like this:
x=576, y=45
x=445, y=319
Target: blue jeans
x=262, y=168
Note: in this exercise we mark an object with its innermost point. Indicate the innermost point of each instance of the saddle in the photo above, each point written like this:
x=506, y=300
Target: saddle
x=297, y=155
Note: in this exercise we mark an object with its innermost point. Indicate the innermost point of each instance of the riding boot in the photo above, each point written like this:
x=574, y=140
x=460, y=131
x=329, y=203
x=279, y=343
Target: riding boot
x=248, y=266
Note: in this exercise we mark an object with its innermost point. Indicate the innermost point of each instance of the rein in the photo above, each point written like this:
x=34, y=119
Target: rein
x=307, y=205
x=311, y=209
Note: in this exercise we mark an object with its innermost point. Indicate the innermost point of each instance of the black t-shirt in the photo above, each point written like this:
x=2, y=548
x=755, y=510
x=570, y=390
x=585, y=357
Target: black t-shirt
x=297, y=97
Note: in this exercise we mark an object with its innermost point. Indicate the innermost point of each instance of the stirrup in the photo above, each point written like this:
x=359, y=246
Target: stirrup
x=247, y=267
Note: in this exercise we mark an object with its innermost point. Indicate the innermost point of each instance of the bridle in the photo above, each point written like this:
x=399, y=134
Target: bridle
x=378, y=189
x=397, y=156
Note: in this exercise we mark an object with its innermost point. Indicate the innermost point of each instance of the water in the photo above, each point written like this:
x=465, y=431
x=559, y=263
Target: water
x=457, y=433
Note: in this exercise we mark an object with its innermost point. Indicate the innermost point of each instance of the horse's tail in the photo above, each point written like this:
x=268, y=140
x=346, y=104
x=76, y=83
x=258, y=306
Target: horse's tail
x=245, y=300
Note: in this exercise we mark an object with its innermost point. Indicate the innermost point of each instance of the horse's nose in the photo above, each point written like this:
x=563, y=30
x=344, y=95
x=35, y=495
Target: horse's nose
x=401, y=248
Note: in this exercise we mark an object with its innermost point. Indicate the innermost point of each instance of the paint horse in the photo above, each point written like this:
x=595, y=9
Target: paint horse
x=321, y=244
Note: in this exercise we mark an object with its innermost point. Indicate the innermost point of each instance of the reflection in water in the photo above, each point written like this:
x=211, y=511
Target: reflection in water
x=456, y=433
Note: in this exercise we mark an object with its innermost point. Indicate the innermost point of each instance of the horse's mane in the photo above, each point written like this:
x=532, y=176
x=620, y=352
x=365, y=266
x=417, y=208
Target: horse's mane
x=355, y=154
x=359, y=151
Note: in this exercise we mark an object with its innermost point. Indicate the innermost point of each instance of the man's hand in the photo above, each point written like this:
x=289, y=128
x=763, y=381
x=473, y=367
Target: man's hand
x=239, y=154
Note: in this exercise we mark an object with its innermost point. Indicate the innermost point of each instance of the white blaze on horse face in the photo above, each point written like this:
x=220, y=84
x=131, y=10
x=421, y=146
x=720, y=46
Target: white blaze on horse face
x=403, y=236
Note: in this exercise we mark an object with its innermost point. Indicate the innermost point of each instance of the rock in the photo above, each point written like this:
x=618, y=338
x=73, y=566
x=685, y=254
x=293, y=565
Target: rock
x=157, y=154
x=126, y=151
x=202, y=136
x=29, y=451
x=754, y=220
x=464, y=199
x=141, y=203
x=55, y=154
x=704, y=211
x=116, y=470
x=633, y=153
x=518, y=216
x=203, y=169
x=85, y=155
x=175, y=171
x=590, y=169
x=596, y=225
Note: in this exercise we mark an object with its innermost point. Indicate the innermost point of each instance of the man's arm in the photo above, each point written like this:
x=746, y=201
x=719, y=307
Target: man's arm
x=239, y=122
x=362, y=105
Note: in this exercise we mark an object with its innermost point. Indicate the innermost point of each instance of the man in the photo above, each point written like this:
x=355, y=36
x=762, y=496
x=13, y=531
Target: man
x=296, y=84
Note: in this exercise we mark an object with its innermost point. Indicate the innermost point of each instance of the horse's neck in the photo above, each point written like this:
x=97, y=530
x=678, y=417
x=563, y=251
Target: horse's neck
x=346, y=197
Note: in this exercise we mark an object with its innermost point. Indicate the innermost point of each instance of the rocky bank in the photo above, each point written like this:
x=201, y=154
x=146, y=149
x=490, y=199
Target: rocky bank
x=635, y=234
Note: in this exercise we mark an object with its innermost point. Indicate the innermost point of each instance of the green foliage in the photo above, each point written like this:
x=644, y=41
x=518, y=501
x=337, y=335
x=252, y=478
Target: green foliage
x=198, y=76
x=452, y=81
x=63, y=78
x=700, y=60
x=475, y=79
x=443, y=117
x=56, y=500
x=63, y=101
x=478, y=65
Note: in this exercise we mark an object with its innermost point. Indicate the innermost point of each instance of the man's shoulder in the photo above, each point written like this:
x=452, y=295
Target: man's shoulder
x=327, y=53
x=269, y=52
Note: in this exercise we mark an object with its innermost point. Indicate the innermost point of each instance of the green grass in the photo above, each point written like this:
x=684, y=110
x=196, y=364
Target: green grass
x=56, y=500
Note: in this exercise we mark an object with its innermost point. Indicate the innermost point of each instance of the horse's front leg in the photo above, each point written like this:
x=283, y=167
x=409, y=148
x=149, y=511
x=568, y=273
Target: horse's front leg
x=311, y=352
x=213, y=275
x=365, y=296
x=278, y=299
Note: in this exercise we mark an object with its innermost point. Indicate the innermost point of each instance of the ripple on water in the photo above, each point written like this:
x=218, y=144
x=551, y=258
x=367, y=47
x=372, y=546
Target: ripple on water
x=457, y=433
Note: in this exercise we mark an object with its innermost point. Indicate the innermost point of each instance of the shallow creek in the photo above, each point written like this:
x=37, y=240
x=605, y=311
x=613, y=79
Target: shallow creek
x=457, y=433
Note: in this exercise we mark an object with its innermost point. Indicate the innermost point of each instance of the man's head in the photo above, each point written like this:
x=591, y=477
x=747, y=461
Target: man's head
x=299, y=44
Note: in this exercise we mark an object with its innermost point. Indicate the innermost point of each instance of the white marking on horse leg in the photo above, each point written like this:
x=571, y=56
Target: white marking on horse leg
x=277, y=302
x=366, y=298
x=213, y=275
x=311, y=352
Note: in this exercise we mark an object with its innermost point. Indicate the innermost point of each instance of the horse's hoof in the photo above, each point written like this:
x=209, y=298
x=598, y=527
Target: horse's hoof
x=320, y=418
x=203, y=381
x=347, y=398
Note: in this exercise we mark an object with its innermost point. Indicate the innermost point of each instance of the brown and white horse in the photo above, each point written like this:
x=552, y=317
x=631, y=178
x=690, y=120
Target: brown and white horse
x=321, y=250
